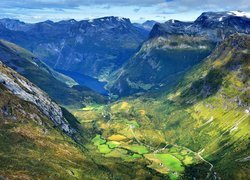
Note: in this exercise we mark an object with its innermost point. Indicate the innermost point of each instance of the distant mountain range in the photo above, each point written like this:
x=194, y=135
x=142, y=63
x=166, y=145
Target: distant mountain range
x=131, y=57
x=213, y=25
x=90, y=47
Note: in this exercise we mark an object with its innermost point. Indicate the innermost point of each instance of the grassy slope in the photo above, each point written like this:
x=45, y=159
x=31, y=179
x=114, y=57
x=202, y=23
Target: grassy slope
x=214, y=97
x=30, y=147
x=205, y=114
x=30, y=67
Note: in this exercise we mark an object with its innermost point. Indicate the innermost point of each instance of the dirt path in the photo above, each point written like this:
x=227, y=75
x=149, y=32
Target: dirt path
x=133, y=133
x=211, y=171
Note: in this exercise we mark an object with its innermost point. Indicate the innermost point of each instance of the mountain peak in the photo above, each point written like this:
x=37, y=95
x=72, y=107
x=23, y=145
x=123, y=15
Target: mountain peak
x=221, y=16
x=13, y=20
x=48, y=22
x=71, y=21
x=14, y=24
x=214, y=25
x=146, y=26
x=149, y=22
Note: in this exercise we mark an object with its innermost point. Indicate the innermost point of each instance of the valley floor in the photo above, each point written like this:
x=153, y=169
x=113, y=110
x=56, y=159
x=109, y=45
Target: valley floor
x=131, y=132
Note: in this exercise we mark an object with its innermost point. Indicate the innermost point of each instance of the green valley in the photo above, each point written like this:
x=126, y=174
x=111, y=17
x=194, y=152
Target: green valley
x=175, y=106
x=198, y=129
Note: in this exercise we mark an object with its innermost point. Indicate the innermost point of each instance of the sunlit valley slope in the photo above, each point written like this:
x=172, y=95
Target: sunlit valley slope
x=177, y=104
x=202, y=124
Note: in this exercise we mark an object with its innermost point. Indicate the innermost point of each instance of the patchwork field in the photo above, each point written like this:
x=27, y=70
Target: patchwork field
x=125, y=138
x=151, y=133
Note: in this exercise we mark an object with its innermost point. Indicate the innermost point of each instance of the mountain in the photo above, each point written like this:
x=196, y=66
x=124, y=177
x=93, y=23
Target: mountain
x=15, y=25
x=15, y=85
x=36, y=140
x=90, y=47
x=170, y=27
x=158, y=62
x=8, y=49
x=216, y=26
x=215, y=98
x=147, y=25
x=61, y=88
x=173, y=48
x=198, y=129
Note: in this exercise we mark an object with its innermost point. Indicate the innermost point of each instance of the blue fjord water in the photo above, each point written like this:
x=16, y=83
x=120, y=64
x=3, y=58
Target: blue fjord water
x=87, y=81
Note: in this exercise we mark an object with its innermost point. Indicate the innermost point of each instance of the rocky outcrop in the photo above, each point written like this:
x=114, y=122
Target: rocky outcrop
x=25, y=90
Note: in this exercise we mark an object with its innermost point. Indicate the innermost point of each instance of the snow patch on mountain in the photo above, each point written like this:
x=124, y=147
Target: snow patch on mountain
x=239, y=14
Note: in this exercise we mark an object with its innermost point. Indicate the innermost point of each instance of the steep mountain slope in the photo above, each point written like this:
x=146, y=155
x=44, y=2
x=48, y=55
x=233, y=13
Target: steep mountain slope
x=8, y=49
x=91, y=47
x=158, y=63
x=200, y=129
x=215, y=96
x=56, y=85
x=36, y=140
x=31, y=141
x=23, y=89
x=174, y=47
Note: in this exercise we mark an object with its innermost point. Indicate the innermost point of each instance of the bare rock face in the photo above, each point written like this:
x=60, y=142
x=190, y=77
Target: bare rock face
x=27, y=91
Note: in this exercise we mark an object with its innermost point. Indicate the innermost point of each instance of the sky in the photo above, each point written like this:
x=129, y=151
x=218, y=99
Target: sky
x=137, y=10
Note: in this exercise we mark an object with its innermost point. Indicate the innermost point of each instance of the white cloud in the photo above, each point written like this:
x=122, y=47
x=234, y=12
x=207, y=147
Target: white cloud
x=68, y=4
x=136, y=10
x=207, y=5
